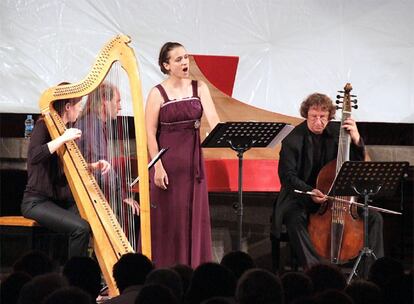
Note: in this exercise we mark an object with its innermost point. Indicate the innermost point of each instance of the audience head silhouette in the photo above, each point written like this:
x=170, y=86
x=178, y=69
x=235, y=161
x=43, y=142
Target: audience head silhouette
x=399, y=290
x=186, y=273
x=364, y=292
x=11, y=286
x=210, y=280
x=156, y=294
x=84, y=272
x=238, y=262
x=36, y=290
x=296, y=285
x=34, y=263
x=384, y=270
x=325, y=277
x=131, y=269
x=69, y=295
x=259, y=286
x=333, y=296
x=167, y=278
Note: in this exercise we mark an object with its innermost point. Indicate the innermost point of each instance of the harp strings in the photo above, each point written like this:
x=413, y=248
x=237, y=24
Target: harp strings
x=105, y=137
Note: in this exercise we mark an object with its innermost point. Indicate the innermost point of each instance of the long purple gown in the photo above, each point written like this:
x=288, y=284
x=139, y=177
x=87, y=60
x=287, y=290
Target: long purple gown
x=180, y=221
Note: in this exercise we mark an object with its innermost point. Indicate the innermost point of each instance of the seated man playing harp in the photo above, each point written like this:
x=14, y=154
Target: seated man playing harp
x=99, y=113
x=102, y=146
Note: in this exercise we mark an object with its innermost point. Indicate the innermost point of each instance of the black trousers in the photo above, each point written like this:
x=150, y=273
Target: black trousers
x=60, y=219
x=296, y=221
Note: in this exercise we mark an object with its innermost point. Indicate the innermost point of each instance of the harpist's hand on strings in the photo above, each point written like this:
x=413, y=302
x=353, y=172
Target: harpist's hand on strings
x=161, y=178
x=133, y=204
x=102, y=165
x=71, y=134
x=318, y=196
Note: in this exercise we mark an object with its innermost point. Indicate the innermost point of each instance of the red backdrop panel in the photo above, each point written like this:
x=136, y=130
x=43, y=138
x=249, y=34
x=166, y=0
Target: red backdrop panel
x=258, y=175
x=219, y=70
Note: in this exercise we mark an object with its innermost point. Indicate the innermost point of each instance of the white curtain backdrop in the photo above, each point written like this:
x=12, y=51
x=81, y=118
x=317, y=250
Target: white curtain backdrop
x=288, y=49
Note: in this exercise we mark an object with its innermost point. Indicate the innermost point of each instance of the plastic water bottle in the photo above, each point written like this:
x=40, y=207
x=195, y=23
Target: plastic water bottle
x=28, y=126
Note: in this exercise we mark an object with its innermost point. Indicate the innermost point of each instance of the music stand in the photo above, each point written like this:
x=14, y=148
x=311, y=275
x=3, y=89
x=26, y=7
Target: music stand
x=240, y=137
x=367, y=179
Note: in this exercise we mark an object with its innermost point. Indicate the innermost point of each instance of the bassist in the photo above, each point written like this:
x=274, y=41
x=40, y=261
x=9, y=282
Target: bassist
x=310, y=146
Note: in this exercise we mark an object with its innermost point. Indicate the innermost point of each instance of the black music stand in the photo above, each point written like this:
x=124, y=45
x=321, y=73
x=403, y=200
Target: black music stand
x=240, y=137
x=367, y=179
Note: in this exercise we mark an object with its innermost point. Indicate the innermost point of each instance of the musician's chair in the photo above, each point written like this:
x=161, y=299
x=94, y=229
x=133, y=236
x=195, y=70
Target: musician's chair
x=19, y=235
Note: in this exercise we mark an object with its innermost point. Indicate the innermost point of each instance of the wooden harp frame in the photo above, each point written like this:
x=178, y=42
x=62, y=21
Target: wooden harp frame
x=109, y=240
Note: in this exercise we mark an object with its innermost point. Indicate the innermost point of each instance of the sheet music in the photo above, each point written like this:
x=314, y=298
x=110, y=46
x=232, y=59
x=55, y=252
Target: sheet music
x=281, y=135
x=240, y=133
x=151, y=163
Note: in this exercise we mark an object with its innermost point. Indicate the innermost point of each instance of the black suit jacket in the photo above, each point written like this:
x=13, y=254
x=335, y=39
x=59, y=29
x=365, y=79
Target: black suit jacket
x=295, y=168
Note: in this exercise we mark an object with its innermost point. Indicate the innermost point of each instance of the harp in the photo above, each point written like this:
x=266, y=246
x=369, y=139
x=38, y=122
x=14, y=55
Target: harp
x=110, y=240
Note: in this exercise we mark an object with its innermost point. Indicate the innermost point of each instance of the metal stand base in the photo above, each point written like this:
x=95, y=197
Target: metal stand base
x=365, y=253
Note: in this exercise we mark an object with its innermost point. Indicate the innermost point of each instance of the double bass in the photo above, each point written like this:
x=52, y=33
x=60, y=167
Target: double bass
x=336, y=230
